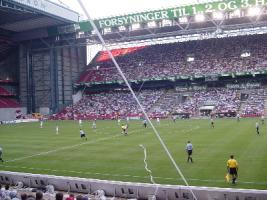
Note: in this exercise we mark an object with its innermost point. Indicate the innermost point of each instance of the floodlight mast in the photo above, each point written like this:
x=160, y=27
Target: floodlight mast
x=135, y=97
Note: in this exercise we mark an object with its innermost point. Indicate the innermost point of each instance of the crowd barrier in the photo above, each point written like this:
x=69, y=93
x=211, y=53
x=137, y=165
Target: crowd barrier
x=129, y=189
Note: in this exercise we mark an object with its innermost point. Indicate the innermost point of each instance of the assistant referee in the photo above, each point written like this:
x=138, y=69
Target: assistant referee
x=232, y=168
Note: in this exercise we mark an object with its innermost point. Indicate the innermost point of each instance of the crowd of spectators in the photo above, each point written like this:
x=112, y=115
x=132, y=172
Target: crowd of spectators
x=254, y=105
x=9, y=193
x=221, y=100
x=110, y=105
x=214, y=56
x=162, y=103
x=208, y=57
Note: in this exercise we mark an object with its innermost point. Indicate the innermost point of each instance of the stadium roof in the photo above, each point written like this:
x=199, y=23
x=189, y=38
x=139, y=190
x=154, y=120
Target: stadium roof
x=20, y=15
x=22, y=20
x=202, y=17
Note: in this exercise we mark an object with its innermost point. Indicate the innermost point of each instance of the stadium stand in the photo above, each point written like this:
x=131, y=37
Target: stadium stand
x=254, y=105
x=43, y=65
x=8, y=103
x=8, y=94
x=221, y=100
x=162, y=103
x=4, y=92
x=8, y=192
x=109, y=105
x=214, y=56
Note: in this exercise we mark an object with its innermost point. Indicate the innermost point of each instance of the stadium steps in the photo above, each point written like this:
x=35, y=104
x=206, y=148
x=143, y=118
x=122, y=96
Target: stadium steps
x=238, y=95
x=159, y=101
x=242, y=103
x=265, y=105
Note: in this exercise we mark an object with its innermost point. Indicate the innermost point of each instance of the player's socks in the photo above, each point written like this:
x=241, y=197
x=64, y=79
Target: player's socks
x=233, y=180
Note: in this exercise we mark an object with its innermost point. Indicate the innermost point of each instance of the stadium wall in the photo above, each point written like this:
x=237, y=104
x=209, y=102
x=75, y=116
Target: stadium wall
x=129, y=189
x=7, y=114
x=47, y=76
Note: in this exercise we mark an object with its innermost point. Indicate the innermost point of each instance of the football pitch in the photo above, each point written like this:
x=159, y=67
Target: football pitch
x=110, y=155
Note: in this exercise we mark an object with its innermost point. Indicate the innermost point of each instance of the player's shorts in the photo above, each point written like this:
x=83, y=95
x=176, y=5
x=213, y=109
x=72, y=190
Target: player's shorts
x=189, y=152
x=82, y=135
x=233, y=171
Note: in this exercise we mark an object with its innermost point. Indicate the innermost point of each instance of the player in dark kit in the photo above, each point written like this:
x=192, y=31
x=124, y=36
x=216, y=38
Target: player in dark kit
x=212, y=123
x=238, y=117
x=257, y=128
x=82, y=134
x=145, y=123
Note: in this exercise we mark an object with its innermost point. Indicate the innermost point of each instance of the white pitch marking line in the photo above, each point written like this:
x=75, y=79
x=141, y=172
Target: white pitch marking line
x=148, y=170
x=146, y=166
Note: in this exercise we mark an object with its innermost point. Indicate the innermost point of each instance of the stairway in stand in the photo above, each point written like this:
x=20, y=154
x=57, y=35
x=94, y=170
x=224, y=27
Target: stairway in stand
x=265, y=106
x=159, y=101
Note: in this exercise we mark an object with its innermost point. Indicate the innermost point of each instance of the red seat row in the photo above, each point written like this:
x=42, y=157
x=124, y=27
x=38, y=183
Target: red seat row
x=9, y=103
x=4, y=92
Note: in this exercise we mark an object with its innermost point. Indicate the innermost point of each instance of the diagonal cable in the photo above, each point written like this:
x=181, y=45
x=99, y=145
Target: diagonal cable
x=135, y=97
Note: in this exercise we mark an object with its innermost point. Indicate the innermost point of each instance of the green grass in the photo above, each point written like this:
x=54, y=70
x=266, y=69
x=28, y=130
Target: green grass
x=110, y=155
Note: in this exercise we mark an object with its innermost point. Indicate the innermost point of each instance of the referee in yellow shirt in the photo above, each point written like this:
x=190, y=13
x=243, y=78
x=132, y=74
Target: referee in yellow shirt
x=232, y=167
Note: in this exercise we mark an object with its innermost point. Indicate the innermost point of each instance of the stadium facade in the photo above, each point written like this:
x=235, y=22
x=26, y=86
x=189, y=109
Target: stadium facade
x=39, y=75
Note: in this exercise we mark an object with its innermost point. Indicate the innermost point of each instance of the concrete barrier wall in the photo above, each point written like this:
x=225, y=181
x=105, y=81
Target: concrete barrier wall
x=130, y=190
x=7, y=114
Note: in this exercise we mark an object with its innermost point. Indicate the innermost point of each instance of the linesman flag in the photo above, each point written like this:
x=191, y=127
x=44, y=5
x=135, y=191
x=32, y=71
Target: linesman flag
x=227, y=177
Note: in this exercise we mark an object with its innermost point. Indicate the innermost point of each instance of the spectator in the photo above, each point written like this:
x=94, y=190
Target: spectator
x=59, y=196
x=79, y=197
x=216, y=56
x=70, y=197
x=7, y=191
x=23, y=196
x=39, y=195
